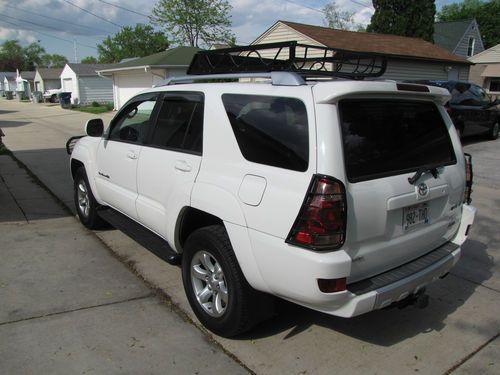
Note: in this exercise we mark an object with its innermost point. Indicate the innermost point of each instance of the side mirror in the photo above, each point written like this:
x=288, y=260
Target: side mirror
x=94, y=127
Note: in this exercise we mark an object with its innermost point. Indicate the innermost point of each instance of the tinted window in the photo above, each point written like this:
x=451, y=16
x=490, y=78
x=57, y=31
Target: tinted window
x=495, y=85
x=270, y=130
x=463, y=94
x=383, y=138
x=132, y=122
x=180, y=123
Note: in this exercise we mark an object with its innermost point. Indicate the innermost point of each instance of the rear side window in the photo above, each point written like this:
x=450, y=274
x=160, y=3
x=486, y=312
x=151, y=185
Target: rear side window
x=384, y=138
x=270, y=130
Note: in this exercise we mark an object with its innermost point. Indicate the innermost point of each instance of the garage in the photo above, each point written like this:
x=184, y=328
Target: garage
x=133, y=76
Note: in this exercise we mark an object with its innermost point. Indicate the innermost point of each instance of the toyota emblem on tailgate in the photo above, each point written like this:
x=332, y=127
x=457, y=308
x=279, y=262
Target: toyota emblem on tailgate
x=423, y=190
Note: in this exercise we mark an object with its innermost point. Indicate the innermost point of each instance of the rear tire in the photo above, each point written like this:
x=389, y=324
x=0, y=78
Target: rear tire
x=85, y=203
x=216, y=288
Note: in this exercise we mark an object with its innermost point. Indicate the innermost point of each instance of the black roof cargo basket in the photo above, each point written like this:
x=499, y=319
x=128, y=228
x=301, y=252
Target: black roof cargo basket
x=306, y=60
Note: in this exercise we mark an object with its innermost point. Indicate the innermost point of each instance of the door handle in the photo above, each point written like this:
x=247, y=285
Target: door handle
x=182, y=166
x=131, y=155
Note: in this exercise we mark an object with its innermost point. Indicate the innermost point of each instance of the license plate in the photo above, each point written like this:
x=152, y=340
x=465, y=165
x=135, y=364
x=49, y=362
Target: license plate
x=415, y=215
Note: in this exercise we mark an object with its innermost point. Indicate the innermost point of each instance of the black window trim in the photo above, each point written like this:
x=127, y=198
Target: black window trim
x=117, y=117
x=148, y=138
x=398, y=172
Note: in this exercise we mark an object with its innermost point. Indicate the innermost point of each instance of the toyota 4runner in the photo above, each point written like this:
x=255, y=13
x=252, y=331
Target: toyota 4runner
x=341, y=195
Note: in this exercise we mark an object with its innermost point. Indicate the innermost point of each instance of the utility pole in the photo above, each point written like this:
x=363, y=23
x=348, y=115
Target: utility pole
x=74, y=49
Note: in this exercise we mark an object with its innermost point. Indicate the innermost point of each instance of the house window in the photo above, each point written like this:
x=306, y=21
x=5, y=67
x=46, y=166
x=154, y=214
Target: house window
x=470, y=48
x=495, y=85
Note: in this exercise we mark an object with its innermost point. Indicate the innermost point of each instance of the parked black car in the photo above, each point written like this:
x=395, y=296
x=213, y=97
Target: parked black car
x=472, y=110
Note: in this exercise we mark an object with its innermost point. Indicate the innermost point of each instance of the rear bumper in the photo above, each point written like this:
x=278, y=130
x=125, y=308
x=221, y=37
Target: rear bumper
x=296, y=279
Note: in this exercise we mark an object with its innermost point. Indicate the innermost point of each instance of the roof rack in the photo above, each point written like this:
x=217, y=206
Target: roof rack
x=305, y=60
x=277, y=78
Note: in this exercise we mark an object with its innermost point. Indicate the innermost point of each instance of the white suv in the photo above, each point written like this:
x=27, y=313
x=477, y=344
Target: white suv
x=344, y=196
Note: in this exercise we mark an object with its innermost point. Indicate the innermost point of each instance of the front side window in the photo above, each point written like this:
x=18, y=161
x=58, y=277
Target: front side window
x=270, y=130
x=390, y=137
x=180, y=123
x=132, y=122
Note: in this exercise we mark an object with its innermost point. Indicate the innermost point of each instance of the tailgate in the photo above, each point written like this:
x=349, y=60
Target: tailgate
x=392, y=220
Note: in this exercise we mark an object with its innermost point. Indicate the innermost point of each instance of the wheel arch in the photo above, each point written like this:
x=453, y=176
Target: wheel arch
x=190, y=219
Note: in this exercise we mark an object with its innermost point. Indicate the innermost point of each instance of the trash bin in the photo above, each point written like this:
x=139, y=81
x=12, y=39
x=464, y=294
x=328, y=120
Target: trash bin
x=65, y=100
x=37, y=97
x=9, y=95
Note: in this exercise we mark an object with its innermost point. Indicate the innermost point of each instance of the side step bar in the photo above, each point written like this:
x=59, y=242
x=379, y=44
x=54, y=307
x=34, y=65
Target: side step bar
x=141, y=235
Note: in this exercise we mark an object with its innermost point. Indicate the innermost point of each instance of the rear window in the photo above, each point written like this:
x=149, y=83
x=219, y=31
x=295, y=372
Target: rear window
x=389, y=137
x=270, y=130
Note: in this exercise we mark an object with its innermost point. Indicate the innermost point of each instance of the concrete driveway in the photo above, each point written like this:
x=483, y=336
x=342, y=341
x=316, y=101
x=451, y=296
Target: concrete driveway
x=457, y=333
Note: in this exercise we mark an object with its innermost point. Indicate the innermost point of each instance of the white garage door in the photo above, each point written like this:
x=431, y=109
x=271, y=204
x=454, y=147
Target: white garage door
x=127, y=85
x=67, y=85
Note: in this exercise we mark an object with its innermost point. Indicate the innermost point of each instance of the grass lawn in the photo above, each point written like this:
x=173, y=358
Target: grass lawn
x=93, y=108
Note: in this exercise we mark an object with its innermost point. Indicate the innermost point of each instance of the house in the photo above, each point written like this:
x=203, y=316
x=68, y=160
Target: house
x=133, y=76
x=7, y=81
x=47, y=79
x=407, y=58
x=486, y=71
x=25, y=82
x=85, y=85
x=461, y=38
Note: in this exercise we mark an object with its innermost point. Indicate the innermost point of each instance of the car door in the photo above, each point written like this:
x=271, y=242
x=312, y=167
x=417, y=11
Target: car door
x=119, y=152
x=170, y=161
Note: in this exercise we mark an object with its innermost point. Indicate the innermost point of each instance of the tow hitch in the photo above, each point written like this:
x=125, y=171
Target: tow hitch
x=419, y=299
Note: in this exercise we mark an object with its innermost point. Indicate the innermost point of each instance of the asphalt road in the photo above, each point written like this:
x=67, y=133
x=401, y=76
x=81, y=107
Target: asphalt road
x=457, y=333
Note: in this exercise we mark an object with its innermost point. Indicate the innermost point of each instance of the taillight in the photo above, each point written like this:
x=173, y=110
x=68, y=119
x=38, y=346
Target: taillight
x=468, y=178
x=321, y=223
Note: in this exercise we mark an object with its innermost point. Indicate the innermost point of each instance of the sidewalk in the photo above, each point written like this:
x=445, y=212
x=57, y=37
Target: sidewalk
x=68, y=306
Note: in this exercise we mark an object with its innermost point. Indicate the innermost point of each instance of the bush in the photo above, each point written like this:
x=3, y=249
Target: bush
x=109, y=106
x=95, y=104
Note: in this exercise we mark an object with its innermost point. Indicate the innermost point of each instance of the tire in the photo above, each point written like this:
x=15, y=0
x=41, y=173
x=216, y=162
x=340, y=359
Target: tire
x=493, y=133
x=85, y=203
x=216, y=289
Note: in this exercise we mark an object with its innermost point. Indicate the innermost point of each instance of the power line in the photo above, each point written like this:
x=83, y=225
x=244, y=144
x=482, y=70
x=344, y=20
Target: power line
x=95, y=15
x=123, y=8
x=305, y=6
x=50, y=36
x=36, y=24
x=58, y=19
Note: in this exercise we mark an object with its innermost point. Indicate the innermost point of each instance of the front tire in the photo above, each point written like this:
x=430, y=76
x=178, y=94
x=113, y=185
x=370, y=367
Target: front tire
x=216, y=288
x=85, y=203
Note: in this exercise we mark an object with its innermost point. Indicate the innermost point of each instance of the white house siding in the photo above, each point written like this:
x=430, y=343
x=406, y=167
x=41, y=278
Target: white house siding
x=399, y=69
x=463, y=46
x=39, y=82
x=95, y=89
x=284, y=33
x=69, y=82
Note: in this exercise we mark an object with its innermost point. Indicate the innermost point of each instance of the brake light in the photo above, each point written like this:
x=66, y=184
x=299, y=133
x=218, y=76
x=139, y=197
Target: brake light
x=469, y=175
x=321, y=222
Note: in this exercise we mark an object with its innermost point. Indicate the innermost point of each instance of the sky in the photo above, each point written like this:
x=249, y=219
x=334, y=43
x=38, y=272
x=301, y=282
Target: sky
x=60, y=25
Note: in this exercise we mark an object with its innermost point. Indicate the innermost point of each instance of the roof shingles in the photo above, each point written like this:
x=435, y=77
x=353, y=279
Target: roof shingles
x=384, y=44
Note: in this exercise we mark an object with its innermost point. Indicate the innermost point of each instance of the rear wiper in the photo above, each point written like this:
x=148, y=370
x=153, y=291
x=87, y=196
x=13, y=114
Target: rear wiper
x=423, y=170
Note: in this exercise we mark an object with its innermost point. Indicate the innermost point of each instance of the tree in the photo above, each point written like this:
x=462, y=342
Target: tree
x=486, y=14
x=194, y=22
x=138, y=41
x=89, y=60
x=33, y=53
x=338, y=19
x=53, y=61
x=11, y=56
x=402, y=17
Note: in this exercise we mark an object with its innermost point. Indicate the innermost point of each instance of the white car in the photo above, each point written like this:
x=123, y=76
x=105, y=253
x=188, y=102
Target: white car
x=344, y=196
x=52, y=95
